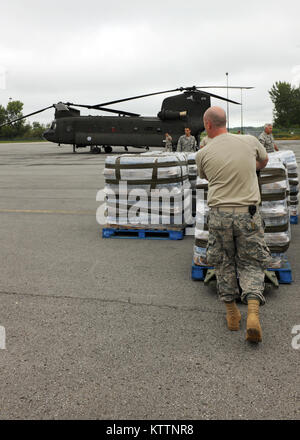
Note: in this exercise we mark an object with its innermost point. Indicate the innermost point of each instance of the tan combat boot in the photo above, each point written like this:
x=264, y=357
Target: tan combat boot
x=233, y=316
x=254, y=331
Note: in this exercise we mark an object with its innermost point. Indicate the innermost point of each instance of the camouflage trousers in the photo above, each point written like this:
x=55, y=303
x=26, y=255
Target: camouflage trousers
x=236, y=247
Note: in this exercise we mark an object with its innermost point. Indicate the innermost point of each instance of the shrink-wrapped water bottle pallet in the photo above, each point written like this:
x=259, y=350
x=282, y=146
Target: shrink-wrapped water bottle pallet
x=143, y=234
x=283, y=274
x=294, y=219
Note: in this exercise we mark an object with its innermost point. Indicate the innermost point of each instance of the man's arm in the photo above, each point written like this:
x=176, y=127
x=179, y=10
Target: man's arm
x=260, y=164
x=261, y=155
x=275, y=146
x=194, y=144
x=179, y=144
x=198, y=161
x=262, y=139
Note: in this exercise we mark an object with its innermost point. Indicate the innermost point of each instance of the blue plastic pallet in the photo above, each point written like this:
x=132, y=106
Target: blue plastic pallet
x=294, y=219
x=199, y=272
x=144, y=234
x=284, y=275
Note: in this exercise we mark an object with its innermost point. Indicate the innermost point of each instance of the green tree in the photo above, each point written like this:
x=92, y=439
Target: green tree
x=13, y=111
x=38, y=130
x=286, y=100
x=19, y=129
x=2, y=118
x=2, y=114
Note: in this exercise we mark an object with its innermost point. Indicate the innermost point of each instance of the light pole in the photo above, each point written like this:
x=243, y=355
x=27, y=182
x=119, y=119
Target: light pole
x=227, y=102
x=242, y=123
x=242, y=129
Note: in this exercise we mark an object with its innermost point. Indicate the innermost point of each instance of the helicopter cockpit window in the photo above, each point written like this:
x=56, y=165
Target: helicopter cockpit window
x=53, y=125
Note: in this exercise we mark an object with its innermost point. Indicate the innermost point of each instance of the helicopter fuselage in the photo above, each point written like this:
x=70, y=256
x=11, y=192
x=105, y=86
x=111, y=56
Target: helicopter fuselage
x=113, y=130
x=177, y=112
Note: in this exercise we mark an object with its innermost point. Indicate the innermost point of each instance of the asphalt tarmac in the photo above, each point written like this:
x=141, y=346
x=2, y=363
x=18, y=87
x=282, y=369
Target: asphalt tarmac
x=116, y=329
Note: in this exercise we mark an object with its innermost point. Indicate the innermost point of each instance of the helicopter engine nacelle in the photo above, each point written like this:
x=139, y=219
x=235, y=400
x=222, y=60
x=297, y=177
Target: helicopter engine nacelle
x=171, y=115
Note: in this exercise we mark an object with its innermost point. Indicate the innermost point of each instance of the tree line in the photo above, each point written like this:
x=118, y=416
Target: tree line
x=286, y=100
x=20, y=129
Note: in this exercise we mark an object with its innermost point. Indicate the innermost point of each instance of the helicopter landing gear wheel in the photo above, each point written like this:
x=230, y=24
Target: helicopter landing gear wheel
x=107, y=149
x=95, y=149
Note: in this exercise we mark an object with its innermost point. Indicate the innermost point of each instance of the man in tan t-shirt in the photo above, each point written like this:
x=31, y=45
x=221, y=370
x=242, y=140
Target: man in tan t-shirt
x=236, y=236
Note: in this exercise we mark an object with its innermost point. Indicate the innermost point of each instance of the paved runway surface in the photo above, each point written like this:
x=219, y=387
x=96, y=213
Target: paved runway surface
x=116, y=329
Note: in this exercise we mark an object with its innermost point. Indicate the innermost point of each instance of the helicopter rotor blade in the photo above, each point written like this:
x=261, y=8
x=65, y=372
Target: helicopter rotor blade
x=120, y=112
x=137, y=97
x=221, y=97
x=93, y=107
x=23, y=117
x=223, y=87
x=181, y=89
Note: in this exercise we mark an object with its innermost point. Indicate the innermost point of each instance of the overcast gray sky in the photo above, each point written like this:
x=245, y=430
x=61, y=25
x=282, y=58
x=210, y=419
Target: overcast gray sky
x=94, y=50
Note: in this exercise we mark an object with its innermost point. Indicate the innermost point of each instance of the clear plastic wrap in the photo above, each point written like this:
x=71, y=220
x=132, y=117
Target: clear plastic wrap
x=276, y=187
x=199, y=256
x=293, y=210
x=276, y=221
x=288, y=158
x=201, y=234
x=276, y=208
x=278, y=238
x=278, y=260
x=131, y=200
x=201, y=183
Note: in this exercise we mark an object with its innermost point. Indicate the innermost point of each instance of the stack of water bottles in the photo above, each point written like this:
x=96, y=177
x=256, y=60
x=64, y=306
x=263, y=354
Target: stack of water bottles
x=289, y=159
x=146, y=190
x=274, y=209
x=201, y=227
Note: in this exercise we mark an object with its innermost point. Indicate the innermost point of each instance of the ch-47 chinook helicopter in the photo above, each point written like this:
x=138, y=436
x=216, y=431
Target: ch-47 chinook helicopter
x=129, y=129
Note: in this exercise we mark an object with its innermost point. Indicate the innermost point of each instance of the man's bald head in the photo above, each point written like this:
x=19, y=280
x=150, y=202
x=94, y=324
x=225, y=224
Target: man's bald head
x=215, y=121
x=216, y=116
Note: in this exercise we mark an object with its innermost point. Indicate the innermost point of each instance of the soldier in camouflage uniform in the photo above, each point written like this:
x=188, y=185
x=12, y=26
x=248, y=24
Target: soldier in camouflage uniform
x=187, y=142
x=204, y=141
x=168, y=142
x=236, y=244
x=267, y=140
